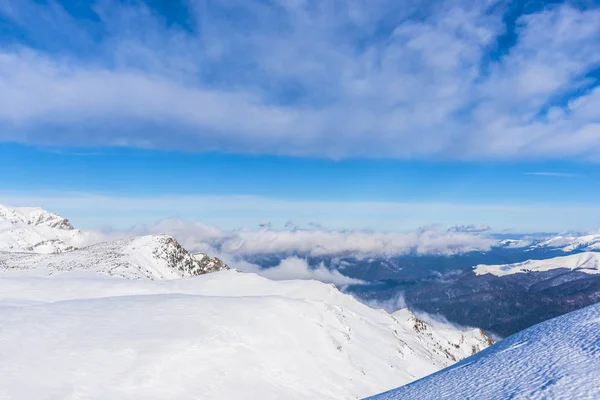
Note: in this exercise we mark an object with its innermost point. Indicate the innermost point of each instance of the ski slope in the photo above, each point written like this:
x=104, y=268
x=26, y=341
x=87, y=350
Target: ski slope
x=557, y=359
x=224, y=335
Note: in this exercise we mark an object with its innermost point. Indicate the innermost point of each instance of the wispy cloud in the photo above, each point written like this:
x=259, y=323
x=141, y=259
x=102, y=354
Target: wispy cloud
x=333, y=79
x=297, y=268
x=315, y=242
x=555, y=174
x=323, y=242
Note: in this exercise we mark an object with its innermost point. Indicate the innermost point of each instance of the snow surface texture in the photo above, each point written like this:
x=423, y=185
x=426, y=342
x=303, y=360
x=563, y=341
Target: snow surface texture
x=588, y=263
x=226, y=335
x=557, y=359
x=151, y=257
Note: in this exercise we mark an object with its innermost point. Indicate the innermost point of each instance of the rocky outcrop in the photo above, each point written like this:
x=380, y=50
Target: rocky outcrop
x=210, y=264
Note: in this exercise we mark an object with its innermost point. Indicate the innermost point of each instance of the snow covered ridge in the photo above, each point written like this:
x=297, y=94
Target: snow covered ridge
x=31, y=237
x=226, y=335
x=588, y=263
x=143, y=257
x=32, y=229
x=572, y=242
x=557, y=359
x=446, y=339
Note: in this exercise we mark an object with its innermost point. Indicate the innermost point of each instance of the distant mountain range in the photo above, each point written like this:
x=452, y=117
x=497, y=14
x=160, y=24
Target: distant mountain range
x=502, y=299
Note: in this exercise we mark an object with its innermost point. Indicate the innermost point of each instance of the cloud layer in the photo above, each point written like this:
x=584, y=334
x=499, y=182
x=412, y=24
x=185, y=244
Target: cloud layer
x=236, y=247
x=297, y=268
x=461, y=79
x=319, y=241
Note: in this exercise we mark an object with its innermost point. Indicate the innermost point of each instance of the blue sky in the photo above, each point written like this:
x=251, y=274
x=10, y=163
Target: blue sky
x=354, y=114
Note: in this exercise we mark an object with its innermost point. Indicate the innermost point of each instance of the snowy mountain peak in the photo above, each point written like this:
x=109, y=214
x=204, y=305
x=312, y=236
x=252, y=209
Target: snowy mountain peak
x=168, y=250
x=35, y=216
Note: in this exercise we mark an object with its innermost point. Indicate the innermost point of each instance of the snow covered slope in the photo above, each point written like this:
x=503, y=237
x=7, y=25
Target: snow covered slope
x=588, y=263
x=226, y=335
x=32, y=229
x=557, y=359
x=572, y=242
x=151, y=257
x=445, y=338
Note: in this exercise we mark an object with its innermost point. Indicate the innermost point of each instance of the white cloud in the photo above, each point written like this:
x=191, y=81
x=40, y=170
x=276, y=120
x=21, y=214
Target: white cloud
x=331, y=79
x=472, y=228
x=192, y=235
x=327, y=242
x=316, y=241
x=297, y=268
x=197, y=236
x=554, y=174
x=390, y=305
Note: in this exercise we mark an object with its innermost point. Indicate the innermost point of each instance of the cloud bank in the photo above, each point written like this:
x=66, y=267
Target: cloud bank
x=320, y=242
x=455, y=79
x=390, y=305
x=297, y=268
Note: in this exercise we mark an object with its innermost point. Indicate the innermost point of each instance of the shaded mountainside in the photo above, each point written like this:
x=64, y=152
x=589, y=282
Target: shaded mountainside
x=511, y=299
x=557, y=359
x=506, y=305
